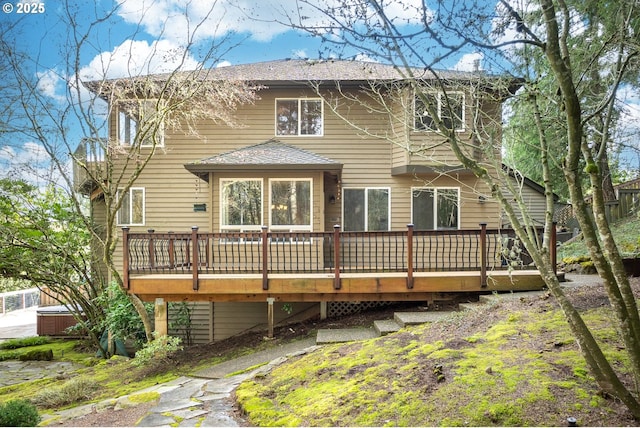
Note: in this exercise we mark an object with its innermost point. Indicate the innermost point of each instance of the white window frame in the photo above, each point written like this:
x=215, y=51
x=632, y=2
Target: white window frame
x=435, y=205
x=241, y=228
x=127, y=124
x=366, y=205
x=418, y=127
x=291, y=227
x=131, y=199
x=299, y=125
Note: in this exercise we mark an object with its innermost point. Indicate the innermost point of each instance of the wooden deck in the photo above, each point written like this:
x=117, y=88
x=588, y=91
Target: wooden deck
x=324, y=266
x=320, y=287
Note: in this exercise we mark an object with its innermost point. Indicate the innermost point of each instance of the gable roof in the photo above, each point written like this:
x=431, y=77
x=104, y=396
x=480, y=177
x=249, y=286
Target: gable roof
x=269, y=155
x=287, y=72
x=306, y=70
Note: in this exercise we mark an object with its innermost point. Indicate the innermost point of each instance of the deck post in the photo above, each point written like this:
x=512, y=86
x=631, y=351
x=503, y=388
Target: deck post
x=410, y=256
x=125, y=257
x=270, y=301
x=152, y=252
x=196, y=257
x=336, y=257
x=483, y=255
x=172, y=255
x=161, y=319
x=553, y=248
x=265, y=262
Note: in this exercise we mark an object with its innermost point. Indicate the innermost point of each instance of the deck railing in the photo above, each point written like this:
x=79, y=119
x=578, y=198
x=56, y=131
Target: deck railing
x=335, y=253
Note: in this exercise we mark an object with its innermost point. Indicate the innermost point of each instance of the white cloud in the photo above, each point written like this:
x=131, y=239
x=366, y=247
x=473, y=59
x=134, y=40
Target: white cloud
x=178, y=20
x=29, y=162
x=470, y=62
x=134, y=58
x=300, y=54
x=49, y=83
x=30, y=152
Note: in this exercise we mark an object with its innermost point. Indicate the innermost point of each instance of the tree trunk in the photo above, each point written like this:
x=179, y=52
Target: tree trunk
x=144, y=316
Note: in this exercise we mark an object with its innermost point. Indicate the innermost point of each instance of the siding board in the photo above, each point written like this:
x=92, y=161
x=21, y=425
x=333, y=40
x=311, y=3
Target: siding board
x=171, y=190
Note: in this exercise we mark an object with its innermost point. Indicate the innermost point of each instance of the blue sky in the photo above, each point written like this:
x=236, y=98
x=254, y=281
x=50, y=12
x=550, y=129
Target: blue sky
x=148, y=35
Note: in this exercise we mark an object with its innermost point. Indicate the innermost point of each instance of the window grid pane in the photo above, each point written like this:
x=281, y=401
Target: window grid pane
x=434, y=208
x=124, y=215
x=137, y=206
x=450, y=110
x=291, y=203
x=242, y=203
x=447, y=209
x=378, y=209
x=354, y=210
x=286, y=117
x=423, y=209
x=423, y=120
x=311, y=117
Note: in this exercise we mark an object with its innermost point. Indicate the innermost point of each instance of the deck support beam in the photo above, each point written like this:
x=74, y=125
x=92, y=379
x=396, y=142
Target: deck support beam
x=323, y=310
x=161, y=318
x=270, y=322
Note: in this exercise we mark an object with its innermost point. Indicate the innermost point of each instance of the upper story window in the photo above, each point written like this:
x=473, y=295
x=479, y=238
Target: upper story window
x=435, y=208
x=366, y=209
x=139, y=123
x=299, y=116
x=449, y=107
x=131, y=212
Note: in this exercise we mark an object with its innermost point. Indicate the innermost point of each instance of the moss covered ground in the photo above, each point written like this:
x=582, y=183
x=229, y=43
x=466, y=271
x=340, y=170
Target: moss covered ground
x=511, y=364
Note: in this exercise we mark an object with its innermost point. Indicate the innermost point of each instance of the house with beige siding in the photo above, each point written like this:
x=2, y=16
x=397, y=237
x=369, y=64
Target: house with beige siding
x=335, y=189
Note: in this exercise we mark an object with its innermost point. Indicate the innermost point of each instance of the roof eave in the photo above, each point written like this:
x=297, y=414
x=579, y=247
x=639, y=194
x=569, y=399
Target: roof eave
x=202, y=170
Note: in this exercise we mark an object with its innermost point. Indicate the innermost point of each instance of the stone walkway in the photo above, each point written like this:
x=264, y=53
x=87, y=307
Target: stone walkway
x=202, y=400
x=13, y=371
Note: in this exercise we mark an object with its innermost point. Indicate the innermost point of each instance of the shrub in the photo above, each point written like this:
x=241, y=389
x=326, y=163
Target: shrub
x=18, y=413
x=122, y=319
x=157, y=351
x=75, y=390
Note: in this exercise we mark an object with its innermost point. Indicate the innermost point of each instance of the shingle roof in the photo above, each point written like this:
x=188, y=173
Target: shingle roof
x=288, y=72
x=271, y=154
x=302, y=70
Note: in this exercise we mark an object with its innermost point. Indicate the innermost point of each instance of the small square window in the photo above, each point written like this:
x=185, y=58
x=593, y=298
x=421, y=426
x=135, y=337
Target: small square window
x=449, y=108
x=131, y=212
x=366, y=209
x=435, y=208
x=299, y=117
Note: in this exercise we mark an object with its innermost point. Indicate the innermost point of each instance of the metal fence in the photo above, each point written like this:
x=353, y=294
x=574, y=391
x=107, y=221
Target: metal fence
x=21, y=299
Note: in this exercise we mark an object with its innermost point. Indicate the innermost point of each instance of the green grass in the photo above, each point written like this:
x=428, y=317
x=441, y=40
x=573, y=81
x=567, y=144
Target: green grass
x=25, y=342
x=95, y=379
x=626, y=233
